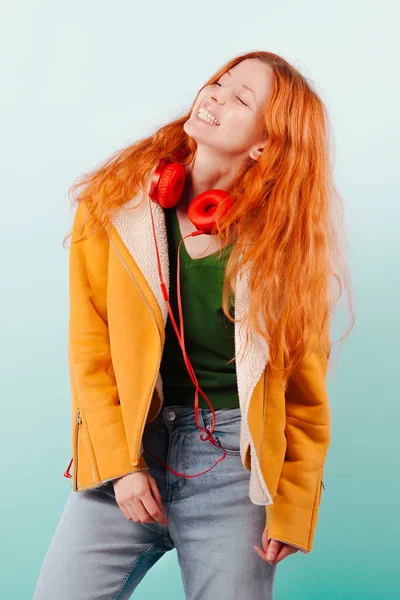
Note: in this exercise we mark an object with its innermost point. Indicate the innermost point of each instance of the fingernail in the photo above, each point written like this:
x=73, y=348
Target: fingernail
x=270, y=555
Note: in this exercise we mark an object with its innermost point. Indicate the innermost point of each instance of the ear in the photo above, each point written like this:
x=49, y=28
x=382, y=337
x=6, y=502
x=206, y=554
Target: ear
x=256, y=152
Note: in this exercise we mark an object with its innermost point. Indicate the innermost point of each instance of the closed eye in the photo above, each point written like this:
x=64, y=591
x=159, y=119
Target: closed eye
x=244, y=103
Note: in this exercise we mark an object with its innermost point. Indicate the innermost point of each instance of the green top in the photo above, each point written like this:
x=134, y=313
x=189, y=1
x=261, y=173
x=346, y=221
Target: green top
x=208, y=334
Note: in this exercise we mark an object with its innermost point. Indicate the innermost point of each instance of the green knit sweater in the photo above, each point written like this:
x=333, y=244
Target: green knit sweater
x=208, y=334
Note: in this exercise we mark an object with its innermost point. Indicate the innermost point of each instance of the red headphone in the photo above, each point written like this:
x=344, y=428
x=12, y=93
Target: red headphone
x=166, y=189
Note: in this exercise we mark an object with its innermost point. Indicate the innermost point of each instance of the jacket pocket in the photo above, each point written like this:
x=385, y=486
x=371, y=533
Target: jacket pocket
x=86, y=472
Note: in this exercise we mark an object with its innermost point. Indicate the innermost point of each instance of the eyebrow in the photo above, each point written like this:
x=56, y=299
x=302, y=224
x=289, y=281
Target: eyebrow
x=242, y=84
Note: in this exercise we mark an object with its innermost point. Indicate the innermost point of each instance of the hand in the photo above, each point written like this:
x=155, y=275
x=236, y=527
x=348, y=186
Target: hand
x=138, y=497
x=279, y=550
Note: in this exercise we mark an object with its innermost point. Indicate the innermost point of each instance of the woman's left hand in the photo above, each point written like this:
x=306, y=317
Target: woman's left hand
x=273, y=551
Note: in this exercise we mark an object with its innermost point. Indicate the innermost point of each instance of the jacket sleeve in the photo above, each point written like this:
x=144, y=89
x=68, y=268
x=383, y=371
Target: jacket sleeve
x=293, y=516
x=89, y=357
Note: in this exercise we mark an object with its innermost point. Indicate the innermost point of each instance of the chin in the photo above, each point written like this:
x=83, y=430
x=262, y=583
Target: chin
x=197, y=131
x=189, y=127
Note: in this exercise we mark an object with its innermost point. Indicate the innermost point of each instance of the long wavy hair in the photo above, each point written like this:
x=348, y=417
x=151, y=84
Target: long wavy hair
x=286, y=222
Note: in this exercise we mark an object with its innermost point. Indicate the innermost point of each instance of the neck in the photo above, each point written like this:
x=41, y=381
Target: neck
x=206, y=172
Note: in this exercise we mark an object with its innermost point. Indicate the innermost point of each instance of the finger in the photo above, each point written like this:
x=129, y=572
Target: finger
x=260, y=552
x=128, y=510
x=156, y=493
x=265, y=539
x=263, y=555
x=125, y=512
x=283, y=553
x=153, y=508
x=136, y=507
x=273, y=548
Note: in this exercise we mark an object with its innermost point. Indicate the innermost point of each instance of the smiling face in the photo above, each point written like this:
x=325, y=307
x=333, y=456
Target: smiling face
x=237, y=100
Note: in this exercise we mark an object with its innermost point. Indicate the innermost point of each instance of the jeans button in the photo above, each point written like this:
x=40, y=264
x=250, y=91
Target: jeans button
x=171, y=415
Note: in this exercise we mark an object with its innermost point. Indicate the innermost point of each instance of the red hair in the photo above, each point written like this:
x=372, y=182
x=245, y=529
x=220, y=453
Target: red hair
x=286, y=220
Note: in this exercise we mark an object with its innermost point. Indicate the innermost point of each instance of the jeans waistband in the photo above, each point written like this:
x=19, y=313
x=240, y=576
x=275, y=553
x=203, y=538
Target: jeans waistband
x=186, y=415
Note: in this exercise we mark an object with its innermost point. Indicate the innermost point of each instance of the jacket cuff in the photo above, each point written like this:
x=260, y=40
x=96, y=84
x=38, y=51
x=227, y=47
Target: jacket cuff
x=290, y=524
x=105, y=481
x=290, y=544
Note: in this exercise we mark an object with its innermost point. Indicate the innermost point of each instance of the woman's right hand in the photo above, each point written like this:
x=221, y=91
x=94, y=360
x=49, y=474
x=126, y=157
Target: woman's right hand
x=138, y=497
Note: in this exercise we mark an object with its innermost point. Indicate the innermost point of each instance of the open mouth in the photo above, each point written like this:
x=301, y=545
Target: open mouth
x=207, y=117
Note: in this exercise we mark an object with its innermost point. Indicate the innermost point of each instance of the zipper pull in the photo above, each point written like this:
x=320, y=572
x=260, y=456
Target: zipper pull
x=66, y=472
x=78, y=421
x=322, y=484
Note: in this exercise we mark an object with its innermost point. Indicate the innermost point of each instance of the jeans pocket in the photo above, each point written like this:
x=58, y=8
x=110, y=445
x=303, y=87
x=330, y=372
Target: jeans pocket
x=227, y=436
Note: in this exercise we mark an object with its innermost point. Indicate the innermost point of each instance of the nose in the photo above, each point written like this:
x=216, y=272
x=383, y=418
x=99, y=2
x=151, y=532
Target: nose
x=215, y=95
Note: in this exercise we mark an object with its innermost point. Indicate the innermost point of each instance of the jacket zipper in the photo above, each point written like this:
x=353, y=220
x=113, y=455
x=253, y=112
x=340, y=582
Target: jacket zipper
x=77, y=426
x=155, y=323
x=263, y=414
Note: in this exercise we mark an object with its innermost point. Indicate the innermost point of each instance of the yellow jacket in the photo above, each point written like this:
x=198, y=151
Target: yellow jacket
x=115, y=343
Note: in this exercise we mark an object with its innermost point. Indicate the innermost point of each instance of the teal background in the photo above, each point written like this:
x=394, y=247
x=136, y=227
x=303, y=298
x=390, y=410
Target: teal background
x=83, y=79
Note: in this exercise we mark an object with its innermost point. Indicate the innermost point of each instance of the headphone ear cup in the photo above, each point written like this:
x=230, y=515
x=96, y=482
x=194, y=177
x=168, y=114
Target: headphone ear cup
x=171, y=184
x=207, y=207
x=167, y=187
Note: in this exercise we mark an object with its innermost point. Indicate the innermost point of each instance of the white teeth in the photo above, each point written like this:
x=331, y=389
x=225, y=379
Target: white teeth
x=206, y=119
x=206, y=116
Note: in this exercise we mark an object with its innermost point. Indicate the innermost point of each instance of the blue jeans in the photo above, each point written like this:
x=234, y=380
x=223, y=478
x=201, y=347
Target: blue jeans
x=98, y=554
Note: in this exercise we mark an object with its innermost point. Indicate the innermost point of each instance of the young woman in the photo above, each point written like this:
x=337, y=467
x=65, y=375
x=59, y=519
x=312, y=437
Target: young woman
x=235, y=485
